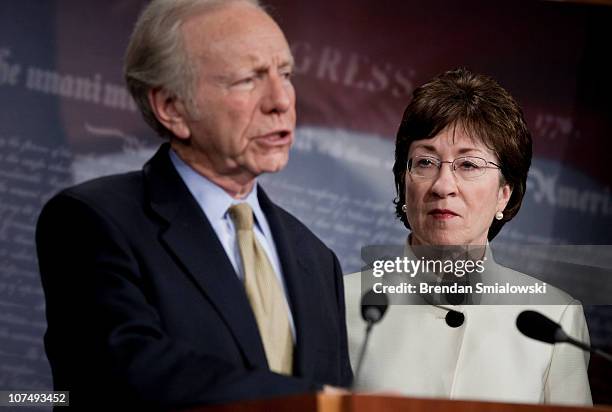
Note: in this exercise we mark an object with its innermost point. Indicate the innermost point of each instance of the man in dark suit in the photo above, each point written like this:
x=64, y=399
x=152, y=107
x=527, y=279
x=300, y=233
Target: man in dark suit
x=157, y=291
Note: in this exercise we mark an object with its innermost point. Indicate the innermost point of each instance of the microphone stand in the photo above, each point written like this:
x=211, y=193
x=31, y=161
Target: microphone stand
x=561, y=336
x=373, y=308
x=362, y=352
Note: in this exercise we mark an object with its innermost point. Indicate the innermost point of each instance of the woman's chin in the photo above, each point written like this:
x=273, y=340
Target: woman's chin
x=442, y=238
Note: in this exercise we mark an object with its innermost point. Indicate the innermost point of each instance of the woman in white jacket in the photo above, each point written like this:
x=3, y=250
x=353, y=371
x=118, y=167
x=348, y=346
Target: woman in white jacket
x=462, y=156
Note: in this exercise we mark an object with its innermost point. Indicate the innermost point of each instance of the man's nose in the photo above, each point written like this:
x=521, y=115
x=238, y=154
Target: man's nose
x=279, y=95
x=445, y=183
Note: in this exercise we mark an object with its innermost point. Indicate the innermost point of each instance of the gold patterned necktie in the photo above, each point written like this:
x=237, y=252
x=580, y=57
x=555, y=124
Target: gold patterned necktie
x=264, y=293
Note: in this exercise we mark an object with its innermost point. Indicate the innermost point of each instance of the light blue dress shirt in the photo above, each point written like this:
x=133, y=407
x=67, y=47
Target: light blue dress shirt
x=215, y=202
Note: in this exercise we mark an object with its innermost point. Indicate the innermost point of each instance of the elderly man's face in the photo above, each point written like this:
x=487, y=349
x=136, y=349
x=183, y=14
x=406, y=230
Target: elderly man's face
x=449, y=210
x=245, y=99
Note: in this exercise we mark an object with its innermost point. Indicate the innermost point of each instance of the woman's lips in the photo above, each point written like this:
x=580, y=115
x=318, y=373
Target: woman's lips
x=442, y=214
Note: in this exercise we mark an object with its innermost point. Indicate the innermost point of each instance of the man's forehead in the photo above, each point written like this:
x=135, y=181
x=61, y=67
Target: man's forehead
x=255, y=45
x=237, y=22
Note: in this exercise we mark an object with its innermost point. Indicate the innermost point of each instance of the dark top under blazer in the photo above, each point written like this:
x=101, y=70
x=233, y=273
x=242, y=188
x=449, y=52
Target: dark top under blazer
x=144, y=306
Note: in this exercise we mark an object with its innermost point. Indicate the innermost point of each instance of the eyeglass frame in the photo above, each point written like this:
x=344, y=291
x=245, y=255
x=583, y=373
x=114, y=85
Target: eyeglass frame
x=439, y=164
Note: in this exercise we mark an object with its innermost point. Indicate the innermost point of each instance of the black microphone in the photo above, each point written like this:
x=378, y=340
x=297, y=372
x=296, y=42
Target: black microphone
x=373, y=308
x=537, y=326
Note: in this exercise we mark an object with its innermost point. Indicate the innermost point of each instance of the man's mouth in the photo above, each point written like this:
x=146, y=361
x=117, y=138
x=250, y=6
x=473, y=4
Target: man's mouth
x=276, y=138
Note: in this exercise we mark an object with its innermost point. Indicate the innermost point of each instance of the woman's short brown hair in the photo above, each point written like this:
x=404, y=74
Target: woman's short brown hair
x=486, y=111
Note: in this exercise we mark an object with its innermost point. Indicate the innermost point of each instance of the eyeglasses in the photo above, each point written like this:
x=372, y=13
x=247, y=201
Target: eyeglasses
x=468, y=167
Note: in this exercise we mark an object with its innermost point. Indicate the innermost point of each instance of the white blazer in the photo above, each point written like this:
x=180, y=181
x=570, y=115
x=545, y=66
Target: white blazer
x=414, y=352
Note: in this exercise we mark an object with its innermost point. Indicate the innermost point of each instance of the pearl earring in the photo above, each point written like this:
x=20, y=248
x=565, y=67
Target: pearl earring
x=404, y=208
x=499, y=215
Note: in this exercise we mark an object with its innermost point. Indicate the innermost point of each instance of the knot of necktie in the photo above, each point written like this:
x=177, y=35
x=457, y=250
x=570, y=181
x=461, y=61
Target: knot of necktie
x=242, y=215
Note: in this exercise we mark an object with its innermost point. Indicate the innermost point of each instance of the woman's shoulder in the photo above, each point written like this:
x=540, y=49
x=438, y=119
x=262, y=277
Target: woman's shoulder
x=525, y=289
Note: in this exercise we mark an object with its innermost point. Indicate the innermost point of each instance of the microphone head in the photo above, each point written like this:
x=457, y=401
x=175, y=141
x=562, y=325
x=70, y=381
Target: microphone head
x=373, y=306
x=537, y=326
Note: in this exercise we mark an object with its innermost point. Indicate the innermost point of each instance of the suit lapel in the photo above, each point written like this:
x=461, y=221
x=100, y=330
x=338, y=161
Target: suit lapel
x=189, y=236
x=300, y=286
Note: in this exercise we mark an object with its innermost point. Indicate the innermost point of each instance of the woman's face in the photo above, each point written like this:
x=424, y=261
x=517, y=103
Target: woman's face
x=446, y=209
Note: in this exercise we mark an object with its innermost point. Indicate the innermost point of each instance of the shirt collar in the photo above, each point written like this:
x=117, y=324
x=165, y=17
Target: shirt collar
x=213, y=200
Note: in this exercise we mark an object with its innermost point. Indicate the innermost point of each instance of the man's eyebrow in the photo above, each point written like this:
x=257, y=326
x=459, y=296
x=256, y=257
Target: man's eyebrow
x=261, y=67
x=286, y=65
x=288, y=61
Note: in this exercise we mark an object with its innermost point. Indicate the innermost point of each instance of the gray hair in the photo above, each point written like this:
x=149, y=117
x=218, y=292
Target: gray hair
x=156, y=54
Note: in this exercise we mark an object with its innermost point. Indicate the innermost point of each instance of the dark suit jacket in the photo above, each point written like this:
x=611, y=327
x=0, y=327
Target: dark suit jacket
x=143, y=305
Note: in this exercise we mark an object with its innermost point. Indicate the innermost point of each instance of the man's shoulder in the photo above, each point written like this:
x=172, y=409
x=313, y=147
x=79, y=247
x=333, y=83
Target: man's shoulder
x=289, y=220
x=292, y=223
x=112, y=188
x=292, y=226
x=113, y=194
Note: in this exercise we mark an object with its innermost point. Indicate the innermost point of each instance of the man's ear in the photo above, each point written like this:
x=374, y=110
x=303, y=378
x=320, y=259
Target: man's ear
x=170, y=112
